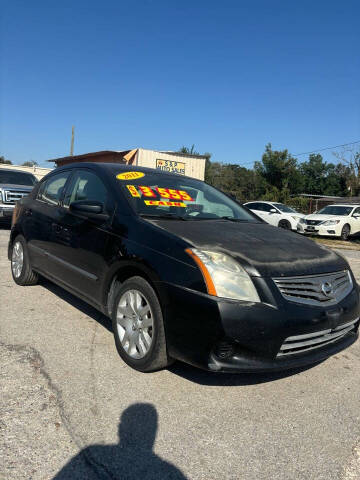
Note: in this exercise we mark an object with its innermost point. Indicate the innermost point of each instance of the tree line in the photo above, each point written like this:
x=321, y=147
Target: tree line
x=280, y=177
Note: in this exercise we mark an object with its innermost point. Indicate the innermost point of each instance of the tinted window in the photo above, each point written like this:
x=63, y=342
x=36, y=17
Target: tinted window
x=166, y=195
x=284, y=208
x=85, y=185
x=252, y=206
x=356, y=211
x=51, y=190
x=335, y=210
x=17, y=178
x=265, y=207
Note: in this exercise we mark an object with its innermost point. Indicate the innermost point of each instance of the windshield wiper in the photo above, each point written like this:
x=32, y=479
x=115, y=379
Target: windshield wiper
x=170, y=216
x=232, y=219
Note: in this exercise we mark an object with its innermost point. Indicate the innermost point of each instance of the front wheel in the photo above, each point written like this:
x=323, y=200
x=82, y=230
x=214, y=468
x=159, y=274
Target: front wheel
x=21, y=270
x=285, y=224
x=345, y=232
x=138, y=326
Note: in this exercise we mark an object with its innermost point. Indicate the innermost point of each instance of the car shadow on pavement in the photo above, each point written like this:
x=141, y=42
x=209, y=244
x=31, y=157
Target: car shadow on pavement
x=132, y=458
x=77, y=303
x=217, y=379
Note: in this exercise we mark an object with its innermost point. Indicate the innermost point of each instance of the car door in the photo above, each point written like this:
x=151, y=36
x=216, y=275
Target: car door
x=41, y=222
x=355, y=221
x=256, y=208
x=269, y=215
x=84, y=241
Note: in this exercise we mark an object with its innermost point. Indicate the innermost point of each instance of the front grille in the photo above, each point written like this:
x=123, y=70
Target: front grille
x=316, y=289
x=313, y=222
x=12, y=196
x=309, y=341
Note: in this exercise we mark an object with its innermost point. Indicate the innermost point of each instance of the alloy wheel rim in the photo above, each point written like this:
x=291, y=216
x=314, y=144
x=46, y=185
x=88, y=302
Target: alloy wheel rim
x=135, y=323
x=17, y=259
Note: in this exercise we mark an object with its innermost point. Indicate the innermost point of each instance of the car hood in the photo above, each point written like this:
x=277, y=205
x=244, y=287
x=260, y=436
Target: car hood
x=9, y=186
x=263, y=250
x=316, y=216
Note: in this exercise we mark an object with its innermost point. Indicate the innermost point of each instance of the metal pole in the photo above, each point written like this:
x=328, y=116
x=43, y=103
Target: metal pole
x=72, y=141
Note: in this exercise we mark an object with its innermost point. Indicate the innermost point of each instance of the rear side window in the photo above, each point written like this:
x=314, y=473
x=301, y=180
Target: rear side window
x=85, y=185
x=52, y=189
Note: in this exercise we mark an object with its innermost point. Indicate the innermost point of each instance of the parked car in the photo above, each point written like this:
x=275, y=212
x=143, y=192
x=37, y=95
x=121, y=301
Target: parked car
x=276, y=214
x=14, y=185
x=184, y=271
x=341, y=220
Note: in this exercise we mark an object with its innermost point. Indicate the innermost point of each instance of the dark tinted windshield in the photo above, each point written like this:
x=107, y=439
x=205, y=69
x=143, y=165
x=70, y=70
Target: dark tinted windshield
x=335, y=210
x=284, y=208
x=176, y=196
x=17, y=178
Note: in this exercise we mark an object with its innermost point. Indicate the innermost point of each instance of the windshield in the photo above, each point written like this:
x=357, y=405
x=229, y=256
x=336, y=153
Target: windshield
x=284, y=208
x=17, y=178
x=335, y=210
x=169, y=196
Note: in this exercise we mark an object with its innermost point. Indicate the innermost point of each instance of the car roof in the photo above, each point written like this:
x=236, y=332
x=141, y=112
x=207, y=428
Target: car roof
x=344, y=205
x=118, y=167
x=16, y=171
x=261, y=201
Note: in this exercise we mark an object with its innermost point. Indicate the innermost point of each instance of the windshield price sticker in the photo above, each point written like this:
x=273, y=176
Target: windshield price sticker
x=164, y=203
x=169, y=193
x=130, y=175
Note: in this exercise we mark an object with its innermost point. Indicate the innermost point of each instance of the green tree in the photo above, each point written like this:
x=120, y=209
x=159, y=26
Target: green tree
x=6, y=162
x=29, y=163
x=279, y=169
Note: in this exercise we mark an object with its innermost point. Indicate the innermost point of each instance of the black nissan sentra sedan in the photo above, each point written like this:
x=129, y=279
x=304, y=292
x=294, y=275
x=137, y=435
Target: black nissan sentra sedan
x=184, y=271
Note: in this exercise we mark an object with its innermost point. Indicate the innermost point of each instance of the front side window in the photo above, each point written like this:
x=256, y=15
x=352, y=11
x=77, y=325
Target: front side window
x=335, y=210
x=85, y=185
x=284, y=208
x=265, y=207
x=170, y=195
x=51, y=189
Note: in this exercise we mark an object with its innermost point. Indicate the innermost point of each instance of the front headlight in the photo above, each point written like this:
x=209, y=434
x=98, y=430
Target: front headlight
x=1, y=196
x=330, y=222
x=302, y=220
x=295, y=218
x=223, y=276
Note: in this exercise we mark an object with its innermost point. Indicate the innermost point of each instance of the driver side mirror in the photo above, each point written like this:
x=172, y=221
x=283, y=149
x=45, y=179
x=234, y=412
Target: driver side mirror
x=89, y=209
x=356, y=216
x=273, y=210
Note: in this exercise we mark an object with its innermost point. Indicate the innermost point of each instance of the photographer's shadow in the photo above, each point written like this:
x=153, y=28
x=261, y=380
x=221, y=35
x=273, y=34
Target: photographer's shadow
x=131, y=458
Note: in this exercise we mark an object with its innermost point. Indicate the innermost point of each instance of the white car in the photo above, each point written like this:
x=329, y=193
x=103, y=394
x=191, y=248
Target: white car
x=276, y=214
x=332, y=221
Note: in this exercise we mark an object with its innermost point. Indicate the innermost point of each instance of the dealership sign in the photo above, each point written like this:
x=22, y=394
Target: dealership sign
x=171, y=166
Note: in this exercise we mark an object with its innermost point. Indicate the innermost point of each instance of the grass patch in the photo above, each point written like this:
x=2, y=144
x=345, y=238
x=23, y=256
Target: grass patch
x=335, y=243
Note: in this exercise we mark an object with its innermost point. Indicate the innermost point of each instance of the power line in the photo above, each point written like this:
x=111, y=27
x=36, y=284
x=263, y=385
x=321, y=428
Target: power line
x=308, y=153
x=327, y=148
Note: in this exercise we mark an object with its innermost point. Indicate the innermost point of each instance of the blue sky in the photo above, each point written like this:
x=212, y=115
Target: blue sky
x=227, y=76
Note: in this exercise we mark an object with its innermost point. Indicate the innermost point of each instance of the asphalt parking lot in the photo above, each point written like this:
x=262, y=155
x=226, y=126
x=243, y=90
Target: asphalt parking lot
x=71, y=409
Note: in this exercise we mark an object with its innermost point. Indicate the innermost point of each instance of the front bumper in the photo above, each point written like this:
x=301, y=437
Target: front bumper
x=231, y=336
x=321, y=230
x=6, y=212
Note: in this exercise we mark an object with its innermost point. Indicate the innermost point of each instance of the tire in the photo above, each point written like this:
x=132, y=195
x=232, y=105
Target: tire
x=138, y=326
x=285, y=224
x=345, y=232
x=21, y=271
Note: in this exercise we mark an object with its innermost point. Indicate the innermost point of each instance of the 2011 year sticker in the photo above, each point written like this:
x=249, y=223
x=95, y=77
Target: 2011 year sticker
x=130, y=175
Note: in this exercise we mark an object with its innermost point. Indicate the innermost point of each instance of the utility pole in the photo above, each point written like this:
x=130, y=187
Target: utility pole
x=72, y=141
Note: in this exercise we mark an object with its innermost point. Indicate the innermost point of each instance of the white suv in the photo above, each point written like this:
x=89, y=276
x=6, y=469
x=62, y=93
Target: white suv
x=276, y=214
x=339, y=220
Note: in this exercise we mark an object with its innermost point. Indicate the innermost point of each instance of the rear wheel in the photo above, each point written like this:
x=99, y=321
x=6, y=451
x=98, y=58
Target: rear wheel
x=21, y=270
x=285, y=224
x=138, y=326
x=345, y=232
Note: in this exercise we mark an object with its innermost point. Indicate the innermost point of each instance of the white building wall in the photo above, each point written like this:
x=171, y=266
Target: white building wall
x=193, y=167
x=38, y=172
